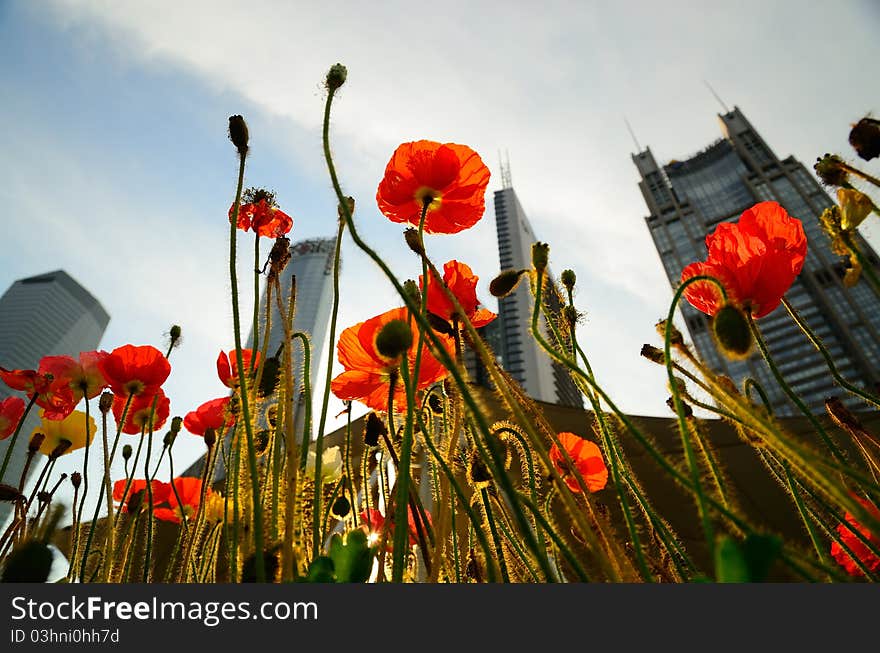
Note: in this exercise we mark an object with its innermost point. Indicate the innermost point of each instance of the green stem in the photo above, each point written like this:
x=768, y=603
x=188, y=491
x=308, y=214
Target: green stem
x=487, y=510
x=401, y=505
x=813, y=338
x=260, y=563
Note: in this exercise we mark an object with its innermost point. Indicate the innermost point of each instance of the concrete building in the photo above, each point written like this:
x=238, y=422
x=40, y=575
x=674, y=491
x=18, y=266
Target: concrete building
x=686, y=199
x=49, y=314
x=521, y=356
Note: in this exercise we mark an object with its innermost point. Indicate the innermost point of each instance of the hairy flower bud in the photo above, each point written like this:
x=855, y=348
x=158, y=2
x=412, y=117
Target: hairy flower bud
x=675, y=337
x=686, y=409
x=394, y=339
x=505, y=282
x=568, y=279
x=105, y=403
x=730, y=327
x=176, y=424
x=174, y=334
x=75, y=479
x=830, y=171
x=653, y=354
x=238, y=134
x=374, y=428
x=349, y=204
x=540, y=256
x=169, y=438
x=865, y=138
x=210, y=437
x=336, y=76
x=411, y=236
x=126, y=452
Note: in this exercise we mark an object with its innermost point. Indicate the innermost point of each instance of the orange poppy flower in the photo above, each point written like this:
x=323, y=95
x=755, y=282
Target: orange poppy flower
x=463, y=283
x=450, y=178
x=859, y=548
x=190, y=492
x=756, y=260
x=227, y=366
x=263, y=218
x=141, y=412
x=11, y=410
x=376, y=524
x=212, y=414
x=52, y=395
x=587, y=458
x=368, y=373
x=160, y=492
x=84, y=377
x=131, y=370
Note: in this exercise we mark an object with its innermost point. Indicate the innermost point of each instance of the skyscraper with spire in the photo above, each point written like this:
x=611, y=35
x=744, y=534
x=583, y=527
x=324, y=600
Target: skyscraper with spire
x=687, y=198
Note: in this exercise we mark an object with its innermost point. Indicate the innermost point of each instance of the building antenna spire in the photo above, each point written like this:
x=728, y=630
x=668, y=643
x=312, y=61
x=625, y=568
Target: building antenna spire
x=505, y=170
x=633, y=134
x=715, y=95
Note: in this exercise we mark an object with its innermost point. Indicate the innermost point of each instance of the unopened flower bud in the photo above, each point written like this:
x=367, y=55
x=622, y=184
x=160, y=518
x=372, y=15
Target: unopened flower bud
x=686, y=409
x=9, y=493
x=830, y=171
x=336, y=76
x=855, y=206
x=169, y=438
x=374, y=428
x=394, y=339
x=210, y=437
x=176, y=424
x=730, y=327
x=60, y=450
x=540, y=256
x=349, y=204
x=571, y=315
x=75, y=479
x=505, y=283
x=653, y=354
x=865, y=138
x=412, y=290
x=105, y=403
x=36, y=442
x=174, y=334
x=126, y=452
x=675, y=337
x=568, y=279
x=238, y=134
x=411, y=236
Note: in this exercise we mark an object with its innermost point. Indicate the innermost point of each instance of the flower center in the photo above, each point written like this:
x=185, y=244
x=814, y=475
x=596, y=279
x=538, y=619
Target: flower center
x=428, y=197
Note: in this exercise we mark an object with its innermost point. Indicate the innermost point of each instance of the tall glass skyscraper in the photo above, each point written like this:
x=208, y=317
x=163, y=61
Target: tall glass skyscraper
x=687, y=199
x=521, y=356
x=50, y=314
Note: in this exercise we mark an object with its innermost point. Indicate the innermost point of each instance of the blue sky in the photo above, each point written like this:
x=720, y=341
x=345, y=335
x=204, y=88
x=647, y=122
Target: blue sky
x=116, y=166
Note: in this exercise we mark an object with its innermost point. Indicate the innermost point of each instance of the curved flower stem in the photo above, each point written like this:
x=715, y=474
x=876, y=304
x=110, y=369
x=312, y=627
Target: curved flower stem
x=12, y=441
x=814, y=339
x=322, y=422
x=820, y=430
x=530, y=466
x=260, y=563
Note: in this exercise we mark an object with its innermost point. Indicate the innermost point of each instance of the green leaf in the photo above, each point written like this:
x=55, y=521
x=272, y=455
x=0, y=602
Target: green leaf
x=730, y=563
x=352, y=558
x=321, y=571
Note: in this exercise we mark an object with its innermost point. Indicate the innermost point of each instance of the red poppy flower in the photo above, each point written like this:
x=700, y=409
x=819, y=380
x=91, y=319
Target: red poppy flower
x=52, y=395
x=587, y=458
x=368, y=373
x=212, y=414
x=84, y=377
x=227, y=366
x=263, y=218
x=131, y=370
x=139, y=413
x=190, y=492
x=451, y=178
x=11, y=410
x=160, y=492
x=859, y=548
x=376, y=524
x=463, y=283
x=756, y=260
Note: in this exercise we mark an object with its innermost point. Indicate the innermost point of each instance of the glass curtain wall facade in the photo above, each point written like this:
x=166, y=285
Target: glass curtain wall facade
x=687, y=199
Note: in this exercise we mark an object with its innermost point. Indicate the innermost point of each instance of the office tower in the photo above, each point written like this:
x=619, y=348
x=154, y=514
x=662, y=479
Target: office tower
x=312, y=264
x=522, y=357
x=687, y=199
x=50, y=314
